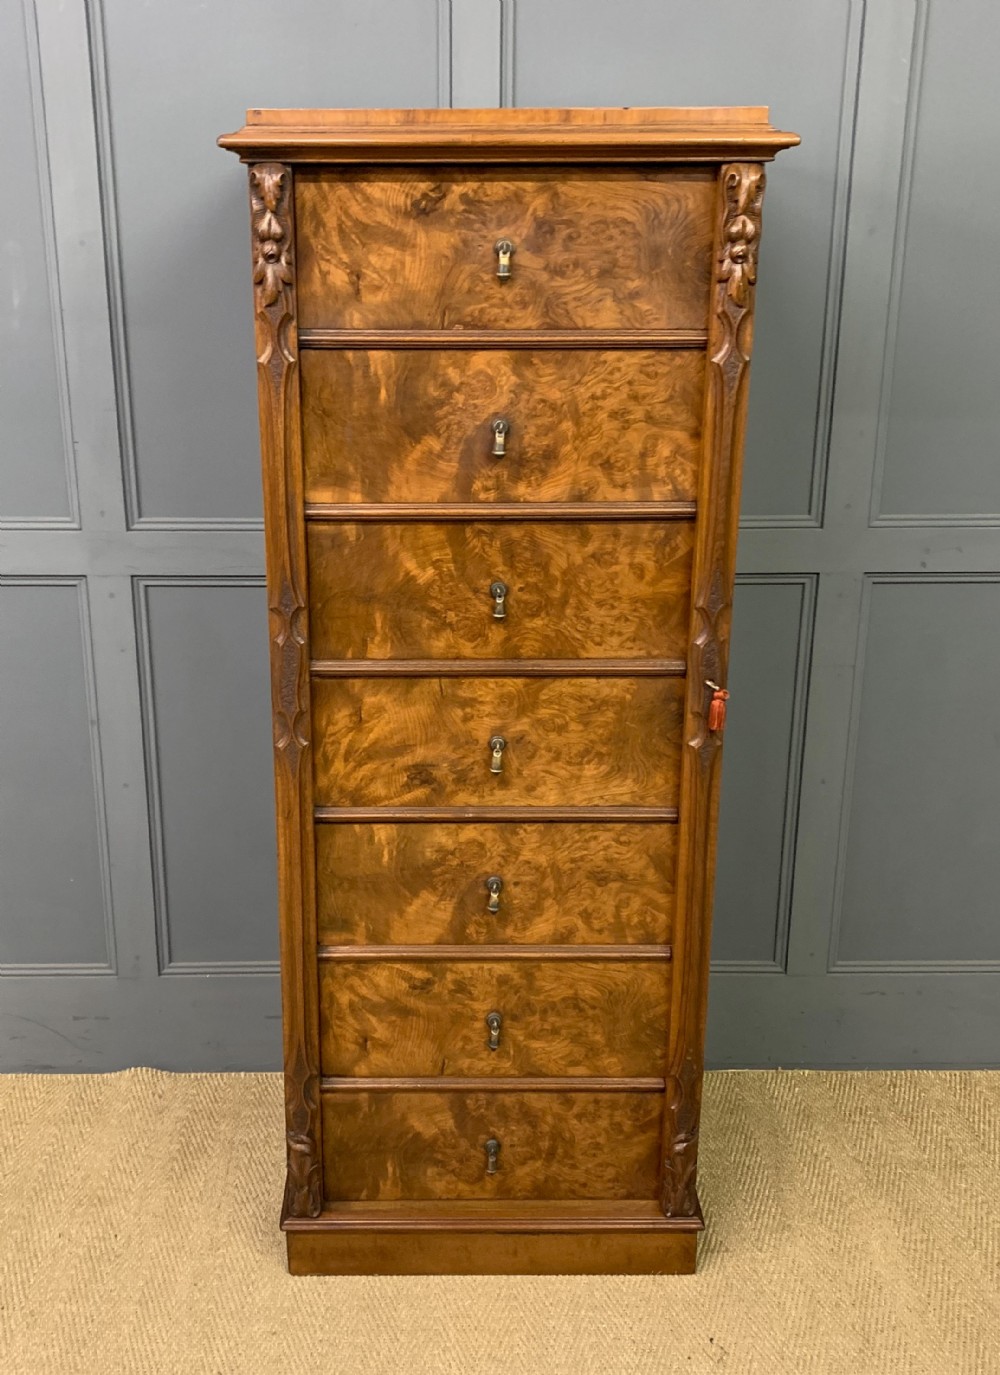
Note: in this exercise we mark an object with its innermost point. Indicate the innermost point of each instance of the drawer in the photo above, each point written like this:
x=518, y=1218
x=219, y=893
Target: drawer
x=562, y=883
x=401, y=248
x=410, y=590
x=584, y=425
x=404, y=1145
x=426, y=741
x=557, y=1017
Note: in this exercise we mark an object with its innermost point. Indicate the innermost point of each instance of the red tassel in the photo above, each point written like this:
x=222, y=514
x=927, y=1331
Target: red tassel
x=717, y=709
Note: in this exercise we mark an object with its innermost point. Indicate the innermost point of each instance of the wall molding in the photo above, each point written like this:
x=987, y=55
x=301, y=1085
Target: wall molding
x=835, y=965
x=445, y=80
x=877, y=518
x=166, y=965
x=746, y=967
x=833, y=301
x=915, y=967
x=507, y=54
x=199, y=968
x=53, y=285
x=108, y=967
x=114, y=268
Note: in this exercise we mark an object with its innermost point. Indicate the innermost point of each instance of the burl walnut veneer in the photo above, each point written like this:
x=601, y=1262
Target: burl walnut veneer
x=503, y=359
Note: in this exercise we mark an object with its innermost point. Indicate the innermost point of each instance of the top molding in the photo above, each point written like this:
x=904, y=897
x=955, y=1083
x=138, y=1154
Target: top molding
x=629, y=134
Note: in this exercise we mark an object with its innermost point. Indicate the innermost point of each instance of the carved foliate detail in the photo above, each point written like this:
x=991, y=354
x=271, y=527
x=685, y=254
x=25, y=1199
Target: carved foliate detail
x=743, y=185
x=736, y=277
x=272, y=268
x=277, y=358
x=683, y=1106
x=304, y=1185
x=272, y=243
x=290, y=685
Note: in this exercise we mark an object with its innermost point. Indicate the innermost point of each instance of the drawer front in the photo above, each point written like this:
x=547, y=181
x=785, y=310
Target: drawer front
x=398, y=1145
x=562, y=883
x=410, y=590
x=426, y=741
x=584, y=425
x=399, y=248
x=557, y=1017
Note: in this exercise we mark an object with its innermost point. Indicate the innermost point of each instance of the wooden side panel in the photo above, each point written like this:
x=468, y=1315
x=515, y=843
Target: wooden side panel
x=585, y=425
x=738, y=219
x=425, y=741
x=574, y=590
x=565, y=1017
x=421, y=884
x=400, y=248
x=272, y=239
x=406, y=1145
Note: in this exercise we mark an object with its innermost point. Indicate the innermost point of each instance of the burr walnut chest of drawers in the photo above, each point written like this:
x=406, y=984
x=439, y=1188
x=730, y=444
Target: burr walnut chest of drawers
x=503, y=364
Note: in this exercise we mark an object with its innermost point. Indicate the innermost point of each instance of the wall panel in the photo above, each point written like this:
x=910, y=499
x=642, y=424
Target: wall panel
x=938, y=435
x=55, y=892
x=769, y=679
x=208, y=761
x=923, y=799
x=36, y=476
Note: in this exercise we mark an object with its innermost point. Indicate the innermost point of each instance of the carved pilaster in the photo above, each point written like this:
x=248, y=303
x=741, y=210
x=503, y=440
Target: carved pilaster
x=272, y=240
x=680, y=1162
x=730, y=337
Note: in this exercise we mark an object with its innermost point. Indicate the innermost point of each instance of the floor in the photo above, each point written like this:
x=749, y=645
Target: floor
x=853, y=1226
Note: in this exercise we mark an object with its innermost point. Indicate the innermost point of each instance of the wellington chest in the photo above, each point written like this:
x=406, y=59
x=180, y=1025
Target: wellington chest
x=503, y=360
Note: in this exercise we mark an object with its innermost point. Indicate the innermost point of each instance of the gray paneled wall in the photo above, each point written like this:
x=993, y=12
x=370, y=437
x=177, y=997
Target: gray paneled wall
x=855, y=919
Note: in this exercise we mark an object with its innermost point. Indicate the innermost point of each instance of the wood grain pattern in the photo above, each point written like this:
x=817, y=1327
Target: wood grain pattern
x=428, y=1017
x=520, y=1083
x=506, y=813
x=585, y=425
x=395, y=248
x=620, y=134
x=498, y=668
x=738, y=224
x=272, y=239
x=518, y=511
x=426, y=884
x=413, y=590
x=503, y=339
x=431, y=953
x=425, y=740
x=520, y=1215
x=415, y=1146
x=491, y=1252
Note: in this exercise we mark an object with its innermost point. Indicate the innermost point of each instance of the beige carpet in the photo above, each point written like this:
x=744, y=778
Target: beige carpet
x=853, y=1227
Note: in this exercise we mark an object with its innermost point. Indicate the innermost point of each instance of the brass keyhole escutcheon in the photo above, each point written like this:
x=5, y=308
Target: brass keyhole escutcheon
x=501, y=429
x=492, y=1149
x=504, y=249
x=498, y=591
x=497, y=744
x=493, y=887
x=494, y=1021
